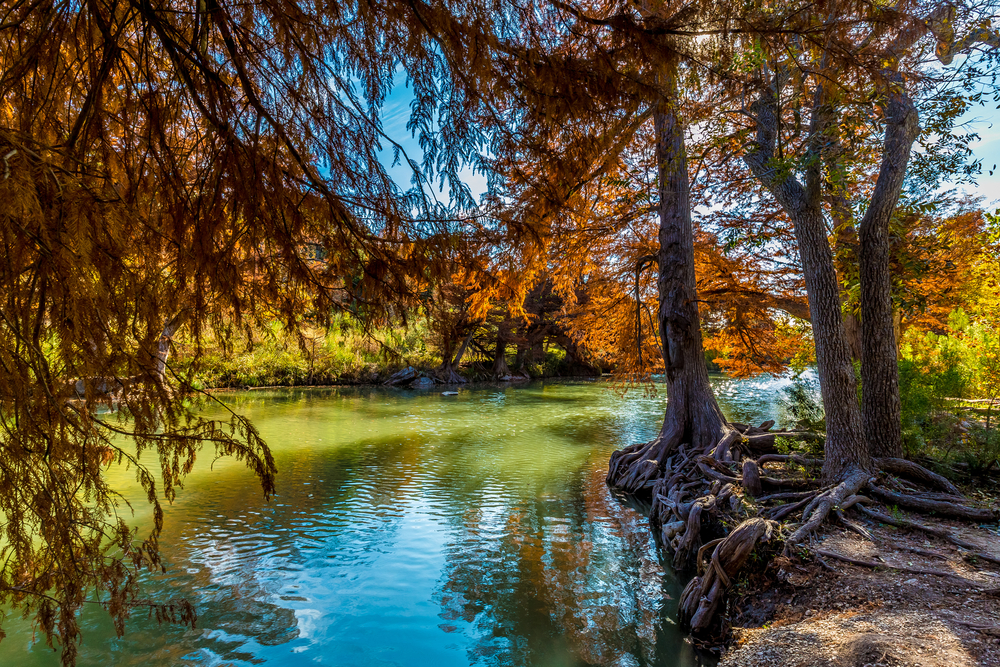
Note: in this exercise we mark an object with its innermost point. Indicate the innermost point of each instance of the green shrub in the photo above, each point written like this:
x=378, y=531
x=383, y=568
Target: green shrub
x=270, y=355
x=803, y=412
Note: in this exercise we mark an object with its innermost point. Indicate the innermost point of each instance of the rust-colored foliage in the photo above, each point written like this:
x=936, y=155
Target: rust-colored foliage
x=935, y=262
x=201, y=165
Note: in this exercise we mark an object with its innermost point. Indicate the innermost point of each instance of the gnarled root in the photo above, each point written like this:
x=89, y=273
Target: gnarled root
x=697, y=485
x=941, y=507
x=637, y=467
x=704, y=594
x=917, y=473
x=845, y=495
x=941, y=533
x=818, y=509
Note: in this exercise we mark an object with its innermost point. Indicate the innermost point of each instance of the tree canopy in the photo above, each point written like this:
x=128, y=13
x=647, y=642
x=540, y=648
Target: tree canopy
x=215, y=166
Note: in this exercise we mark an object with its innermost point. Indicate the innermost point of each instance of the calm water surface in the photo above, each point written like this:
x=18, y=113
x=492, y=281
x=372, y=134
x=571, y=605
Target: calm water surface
x=415, y=529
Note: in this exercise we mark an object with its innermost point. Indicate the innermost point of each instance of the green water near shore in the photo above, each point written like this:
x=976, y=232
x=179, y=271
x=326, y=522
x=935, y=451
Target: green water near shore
x=415, y=529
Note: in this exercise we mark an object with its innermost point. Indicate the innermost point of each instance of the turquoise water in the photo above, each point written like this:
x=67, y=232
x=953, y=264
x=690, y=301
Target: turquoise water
x=414, y=529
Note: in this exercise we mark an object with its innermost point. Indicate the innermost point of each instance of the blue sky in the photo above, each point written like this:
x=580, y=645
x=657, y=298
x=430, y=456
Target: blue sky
x=985, y=121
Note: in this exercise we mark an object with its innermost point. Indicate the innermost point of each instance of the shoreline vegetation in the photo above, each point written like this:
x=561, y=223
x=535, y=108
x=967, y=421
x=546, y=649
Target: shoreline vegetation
x=343, y=354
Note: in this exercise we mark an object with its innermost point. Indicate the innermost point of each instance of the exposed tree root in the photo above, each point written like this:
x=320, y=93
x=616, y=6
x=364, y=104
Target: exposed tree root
x=918, y=473
x=784, y=458
x=704, y=594
x=818, y=510
x=697, y=490
x=991, y=630
x=637, y=467
x=941, y=533
x=923, y=504
x=895, y=566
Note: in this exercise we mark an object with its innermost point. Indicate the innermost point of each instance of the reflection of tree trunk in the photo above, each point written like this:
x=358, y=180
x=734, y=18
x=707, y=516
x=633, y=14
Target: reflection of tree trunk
x=692, y=415
x=879, y=366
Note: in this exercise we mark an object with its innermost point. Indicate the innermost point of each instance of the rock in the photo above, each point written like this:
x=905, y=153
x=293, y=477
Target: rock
x=405, y=376
x=423, y=381
x=911, y=582
x=449, y=393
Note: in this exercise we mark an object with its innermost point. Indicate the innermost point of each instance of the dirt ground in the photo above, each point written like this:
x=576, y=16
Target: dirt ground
x=808, y=611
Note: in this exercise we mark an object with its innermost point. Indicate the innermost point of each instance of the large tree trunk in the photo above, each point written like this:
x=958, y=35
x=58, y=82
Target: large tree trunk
x=692, y=415
x=448, y=371
x=846, y=448
x=845, y=240
x=500, y=368
x=880, y=405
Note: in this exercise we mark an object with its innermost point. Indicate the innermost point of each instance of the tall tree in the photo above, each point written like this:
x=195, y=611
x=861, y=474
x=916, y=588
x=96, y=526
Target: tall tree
x=166, y=165
x=873, y=66
x=568, y=93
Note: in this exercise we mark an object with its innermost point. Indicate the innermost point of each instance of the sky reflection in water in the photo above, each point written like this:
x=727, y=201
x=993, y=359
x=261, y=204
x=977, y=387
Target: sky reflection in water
x=416, y=529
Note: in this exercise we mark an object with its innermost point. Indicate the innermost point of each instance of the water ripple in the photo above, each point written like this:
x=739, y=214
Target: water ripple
x=413, y=530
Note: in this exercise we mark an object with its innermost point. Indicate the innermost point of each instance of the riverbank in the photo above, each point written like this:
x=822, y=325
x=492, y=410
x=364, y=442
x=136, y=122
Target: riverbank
x=927, y=603
x=339, y=355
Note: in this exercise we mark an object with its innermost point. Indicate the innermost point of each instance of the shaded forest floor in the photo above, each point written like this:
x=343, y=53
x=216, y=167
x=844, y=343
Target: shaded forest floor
x=811, y=611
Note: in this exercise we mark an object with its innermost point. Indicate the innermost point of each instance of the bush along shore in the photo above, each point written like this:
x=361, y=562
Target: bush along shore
x=345, y=354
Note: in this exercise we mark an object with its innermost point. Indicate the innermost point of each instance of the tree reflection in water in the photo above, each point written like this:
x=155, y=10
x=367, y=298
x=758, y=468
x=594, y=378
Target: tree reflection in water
x=570, y=580
x=409, y=530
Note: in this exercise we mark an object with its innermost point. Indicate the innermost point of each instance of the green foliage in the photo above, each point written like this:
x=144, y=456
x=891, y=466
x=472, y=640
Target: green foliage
x=925, y=415
x=802, y=410
x=555, y=364
x=803, y=447
x=941, y=377
x=341, y=354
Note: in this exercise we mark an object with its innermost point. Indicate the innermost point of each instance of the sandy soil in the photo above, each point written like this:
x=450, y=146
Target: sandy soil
x=809, y=612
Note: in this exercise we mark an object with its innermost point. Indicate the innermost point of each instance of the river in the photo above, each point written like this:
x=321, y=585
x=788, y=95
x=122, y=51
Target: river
x=414, y=529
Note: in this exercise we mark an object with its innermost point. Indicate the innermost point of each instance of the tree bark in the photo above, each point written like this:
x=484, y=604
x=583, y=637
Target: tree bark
x=500, y=368
x=845, y=240
x=693, y=415
x=846, y=448
x=163, y=345
x=880, y=403
x=448, y=371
